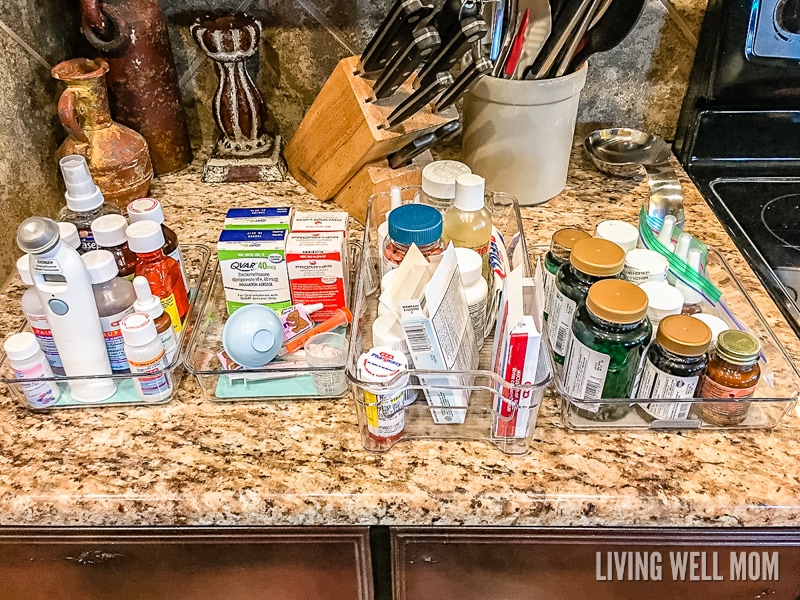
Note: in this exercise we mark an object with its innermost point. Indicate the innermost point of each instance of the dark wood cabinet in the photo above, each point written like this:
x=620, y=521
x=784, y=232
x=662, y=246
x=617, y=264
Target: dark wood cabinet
x=182, y=564
x=596, y=564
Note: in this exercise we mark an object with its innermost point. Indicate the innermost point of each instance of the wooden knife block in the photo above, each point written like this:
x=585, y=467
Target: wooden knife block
x=344, y=130
x=378, y=177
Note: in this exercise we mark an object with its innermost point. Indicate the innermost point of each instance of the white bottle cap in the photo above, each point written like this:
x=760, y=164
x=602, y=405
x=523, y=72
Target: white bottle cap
x=715, y=324
x=145, y=209
x=69, y=233
x=623, y=234
x=469, y=192
x=665, y=235
x=690, y=295
x=109, y=230
x=21, y=346
x=24, y=269
x=137, y=329
x=146, y=302
x=387, y=279
x=312, y=308
x=386, y=331
x=82, y=193
x=682, y=249
x=395, y=198
x=643, y=265
x=439, y=178
x=470, y=265
x=144, y=236
x=101, y=264
x=662, y=300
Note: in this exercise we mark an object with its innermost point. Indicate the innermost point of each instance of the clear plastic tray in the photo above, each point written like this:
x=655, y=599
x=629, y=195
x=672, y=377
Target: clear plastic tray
x=488, y=392
x=195, y=260
x=775, y=395
x=273, y=381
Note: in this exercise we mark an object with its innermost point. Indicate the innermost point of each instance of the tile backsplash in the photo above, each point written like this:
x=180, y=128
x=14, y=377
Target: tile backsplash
x=641, y=83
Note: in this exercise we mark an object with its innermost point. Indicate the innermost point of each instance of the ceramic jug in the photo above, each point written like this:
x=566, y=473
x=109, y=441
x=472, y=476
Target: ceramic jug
x=118, y=157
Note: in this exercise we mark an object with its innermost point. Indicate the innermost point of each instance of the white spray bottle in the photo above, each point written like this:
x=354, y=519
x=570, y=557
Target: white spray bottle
x=62, y=282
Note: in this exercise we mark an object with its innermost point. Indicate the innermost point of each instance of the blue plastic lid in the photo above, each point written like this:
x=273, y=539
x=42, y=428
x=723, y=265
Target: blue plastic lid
x=253, y=335
x=418, y=224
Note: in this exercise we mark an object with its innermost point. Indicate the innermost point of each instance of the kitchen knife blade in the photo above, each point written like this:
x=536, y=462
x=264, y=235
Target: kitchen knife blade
x=453, y=49
x=469, y=75
x=420, y=98
x=422, y=143
x=394, y=33
x=424, y=43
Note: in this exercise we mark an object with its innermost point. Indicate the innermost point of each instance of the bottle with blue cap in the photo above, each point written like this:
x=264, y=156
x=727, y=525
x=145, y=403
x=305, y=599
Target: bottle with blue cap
x=418, y=224
x=468, y=223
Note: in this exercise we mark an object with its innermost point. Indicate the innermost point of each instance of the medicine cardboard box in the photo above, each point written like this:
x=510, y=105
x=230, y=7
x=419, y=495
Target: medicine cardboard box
x=320, y=221
x=253, y=267
x=277, y=217
x=316, y=265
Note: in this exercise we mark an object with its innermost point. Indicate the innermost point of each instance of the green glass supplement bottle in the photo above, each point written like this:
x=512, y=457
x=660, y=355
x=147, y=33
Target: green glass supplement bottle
x=591, y=260
x=733, y=374
x=609, y=335
x=674, y=364
x=560, y=248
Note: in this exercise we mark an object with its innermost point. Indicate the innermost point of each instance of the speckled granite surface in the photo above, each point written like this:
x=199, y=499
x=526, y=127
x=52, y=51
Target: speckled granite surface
x=294, y=463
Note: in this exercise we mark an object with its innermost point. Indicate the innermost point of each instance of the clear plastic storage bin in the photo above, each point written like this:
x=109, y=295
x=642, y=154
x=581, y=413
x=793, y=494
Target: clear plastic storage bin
x=195, y=262
x=775, y=395
x=488, y=394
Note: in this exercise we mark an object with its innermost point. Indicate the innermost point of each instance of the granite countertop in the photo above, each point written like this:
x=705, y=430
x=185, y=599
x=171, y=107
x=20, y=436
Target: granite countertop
x=193, y=462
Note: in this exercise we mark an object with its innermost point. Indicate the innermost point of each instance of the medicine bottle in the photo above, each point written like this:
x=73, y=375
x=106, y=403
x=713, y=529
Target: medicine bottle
x=673, y=366
x=610, y=334
x=411, y=224
x=149, y=209
x=29, y=363
x=692, y=299
x=163, y=273
x=643, y=265
x=69, y=235
x=625, y=235
x=35, y=314
x=146, y=355
x=715, y=324
x=733, y=374
x=386, y=331
x=467, y=222
x=114, y=298
x=109, y=234
x=439, y=183
x=663, y=300
x=476, y=291
x=384, y=406
x=147, y=303
x=85, y=203
x=590, y=261
x=560, y=248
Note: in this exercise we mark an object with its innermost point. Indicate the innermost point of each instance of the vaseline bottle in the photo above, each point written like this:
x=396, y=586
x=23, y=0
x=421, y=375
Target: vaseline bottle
x=468, y=223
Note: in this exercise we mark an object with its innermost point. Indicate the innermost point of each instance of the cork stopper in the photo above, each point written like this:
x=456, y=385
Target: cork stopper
x=684, y=335
x=617, y=301
x=596, y=257
x=564, y=239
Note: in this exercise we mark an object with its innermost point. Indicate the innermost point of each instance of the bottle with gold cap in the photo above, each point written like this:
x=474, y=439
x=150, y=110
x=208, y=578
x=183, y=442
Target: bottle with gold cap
x=560, y=248
x=610, y=333
x=673, y=366
x=733, y=374
x=590, y=261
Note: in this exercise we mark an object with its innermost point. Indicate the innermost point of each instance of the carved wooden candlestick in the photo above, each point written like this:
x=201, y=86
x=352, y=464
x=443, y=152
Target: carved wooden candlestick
x=244, y=151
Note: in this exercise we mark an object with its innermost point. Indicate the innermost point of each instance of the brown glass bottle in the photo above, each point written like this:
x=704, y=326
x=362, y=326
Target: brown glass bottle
x=109, y=234
x=149, y=209
x=733, y=373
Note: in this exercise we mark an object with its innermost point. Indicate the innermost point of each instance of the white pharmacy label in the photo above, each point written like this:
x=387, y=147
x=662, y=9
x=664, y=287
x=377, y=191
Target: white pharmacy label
x=549, y=285
x=559, y=322
x=585, y=373
x=656, y=383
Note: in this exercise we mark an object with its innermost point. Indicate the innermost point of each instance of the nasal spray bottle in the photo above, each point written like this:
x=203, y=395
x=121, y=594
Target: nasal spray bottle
x=62, y=282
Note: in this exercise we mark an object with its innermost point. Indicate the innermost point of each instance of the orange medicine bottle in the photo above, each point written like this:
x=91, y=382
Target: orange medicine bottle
x=146, y=239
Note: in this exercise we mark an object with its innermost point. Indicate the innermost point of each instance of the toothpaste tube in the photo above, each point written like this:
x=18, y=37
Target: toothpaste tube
x=498, y=264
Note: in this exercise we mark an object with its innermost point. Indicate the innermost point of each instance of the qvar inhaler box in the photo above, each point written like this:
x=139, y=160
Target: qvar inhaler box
x=253, y=267
x=271, y=217
x=316, y=265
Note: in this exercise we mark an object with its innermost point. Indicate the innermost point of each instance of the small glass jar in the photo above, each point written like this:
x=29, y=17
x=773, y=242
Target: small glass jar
x=560, y=248
x=733, y=373
x=673, y=366
x=590, y=261
x=610, y=333
x=418, y=224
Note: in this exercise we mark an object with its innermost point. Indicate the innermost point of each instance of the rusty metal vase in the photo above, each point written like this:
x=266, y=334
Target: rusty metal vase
x=143, y=80
x=118, y=157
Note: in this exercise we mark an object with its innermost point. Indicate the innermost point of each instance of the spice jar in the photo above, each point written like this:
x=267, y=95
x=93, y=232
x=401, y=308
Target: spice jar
x=590, y=261
x=673, y=366
x=560, y=248
x=733, y=373
x=418, y=224
x=610, y=333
